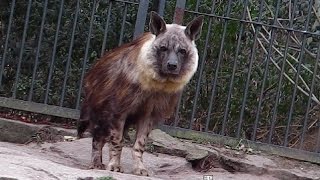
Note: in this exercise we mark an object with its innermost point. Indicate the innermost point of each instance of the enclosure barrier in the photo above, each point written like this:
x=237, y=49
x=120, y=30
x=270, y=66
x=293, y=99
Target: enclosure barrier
x=257, y=81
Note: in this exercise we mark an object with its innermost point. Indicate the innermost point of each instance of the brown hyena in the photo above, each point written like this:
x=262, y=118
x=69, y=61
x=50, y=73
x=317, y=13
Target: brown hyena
x=137, y=84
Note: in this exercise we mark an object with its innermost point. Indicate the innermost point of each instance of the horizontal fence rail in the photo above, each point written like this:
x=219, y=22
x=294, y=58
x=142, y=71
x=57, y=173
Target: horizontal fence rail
x=258, y=77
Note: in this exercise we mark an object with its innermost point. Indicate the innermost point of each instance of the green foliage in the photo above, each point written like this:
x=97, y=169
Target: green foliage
x=106, y=178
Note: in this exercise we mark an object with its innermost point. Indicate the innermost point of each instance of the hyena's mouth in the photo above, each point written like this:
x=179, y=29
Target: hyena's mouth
x=168, y=75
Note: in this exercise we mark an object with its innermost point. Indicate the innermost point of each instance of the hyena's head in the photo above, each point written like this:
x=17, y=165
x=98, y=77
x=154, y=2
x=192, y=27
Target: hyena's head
x=172, y=56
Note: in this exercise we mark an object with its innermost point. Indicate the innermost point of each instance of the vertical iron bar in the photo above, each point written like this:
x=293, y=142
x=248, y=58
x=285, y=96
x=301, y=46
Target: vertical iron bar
x=214, y=83
x=177, y=19
x=7, y=40
x=274, y=114
x=141, y=18
x=317, y=149
x=235, y=62
x=84, y=63
x=210, y=106
x=159, y=5
x=162, y=5
x=51, y=66
x=297, y=74
x=309, y=99
x=76, y=14
x=252, y=56
x=106, y=29
x=265, y=74
x=203, y=60
x=123, y=23
x=179, y=11
x=38, y=50
x=197, y=6
x=177, y=111
x=218, y=64
x=22, y=49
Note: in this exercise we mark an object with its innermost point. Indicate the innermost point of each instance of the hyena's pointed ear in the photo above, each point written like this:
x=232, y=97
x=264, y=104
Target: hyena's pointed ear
x=157, y=25
x=193, y=29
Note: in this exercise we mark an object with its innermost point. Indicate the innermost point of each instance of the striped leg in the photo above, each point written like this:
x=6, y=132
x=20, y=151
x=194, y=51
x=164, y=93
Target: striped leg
x=143, y=130
x=96, y=156
x=115, y=148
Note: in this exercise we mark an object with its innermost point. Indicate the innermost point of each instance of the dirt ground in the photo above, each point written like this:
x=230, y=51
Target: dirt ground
x=69, y=160
x=63, y=159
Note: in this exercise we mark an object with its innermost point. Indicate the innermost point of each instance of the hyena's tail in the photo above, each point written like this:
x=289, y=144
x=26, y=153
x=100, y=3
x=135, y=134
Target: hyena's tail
x=83, y=122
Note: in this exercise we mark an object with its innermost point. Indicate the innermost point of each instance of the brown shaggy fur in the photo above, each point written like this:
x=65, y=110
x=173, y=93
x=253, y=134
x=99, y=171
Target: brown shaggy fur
x=129, y=86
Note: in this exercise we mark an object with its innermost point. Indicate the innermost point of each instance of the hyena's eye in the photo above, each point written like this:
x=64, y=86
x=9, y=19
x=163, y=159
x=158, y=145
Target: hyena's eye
x=163, y=48
x=182, y=51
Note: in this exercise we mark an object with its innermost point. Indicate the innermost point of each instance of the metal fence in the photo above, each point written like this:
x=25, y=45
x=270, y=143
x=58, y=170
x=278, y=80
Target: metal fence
x=257, y=80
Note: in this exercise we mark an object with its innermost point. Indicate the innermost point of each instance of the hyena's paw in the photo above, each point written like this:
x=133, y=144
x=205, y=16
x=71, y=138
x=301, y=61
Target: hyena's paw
x=141, y=172
x=115, y=168
x=97, y=166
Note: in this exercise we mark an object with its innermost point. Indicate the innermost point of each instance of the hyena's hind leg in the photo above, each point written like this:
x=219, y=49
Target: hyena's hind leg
x=82, y=126
x=84, y=121
x=144, y=126
x=100, y=130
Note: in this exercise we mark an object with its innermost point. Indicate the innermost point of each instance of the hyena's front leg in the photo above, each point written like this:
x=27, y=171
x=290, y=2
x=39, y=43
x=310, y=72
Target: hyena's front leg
x=115, y=146
x=143, y=130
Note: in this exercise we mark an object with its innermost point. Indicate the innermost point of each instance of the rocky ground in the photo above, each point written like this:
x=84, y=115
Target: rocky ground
x=42, y=152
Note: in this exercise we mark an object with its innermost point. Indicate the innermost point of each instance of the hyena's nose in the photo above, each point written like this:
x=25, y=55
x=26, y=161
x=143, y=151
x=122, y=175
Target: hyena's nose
x=172, y=65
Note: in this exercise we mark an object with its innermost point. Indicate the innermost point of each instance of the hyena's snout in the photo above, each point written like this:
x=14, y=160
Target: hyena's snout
x=172, y=65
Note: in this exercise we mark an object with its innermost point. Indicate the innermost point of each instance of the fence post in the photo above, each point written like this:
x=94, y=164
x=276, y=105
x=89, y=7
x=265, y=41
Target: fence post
x=159, y=5
x=141, y=18
x=179, y=11
x=178, y=19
